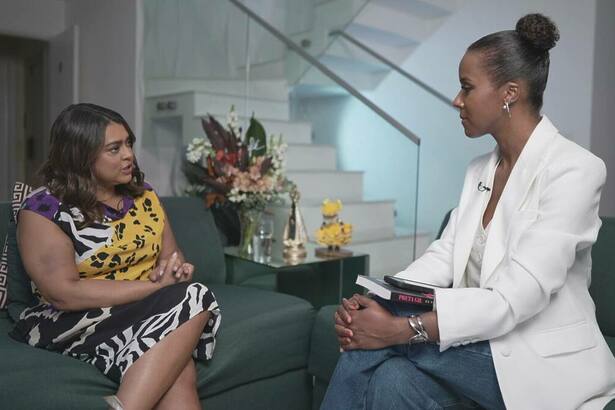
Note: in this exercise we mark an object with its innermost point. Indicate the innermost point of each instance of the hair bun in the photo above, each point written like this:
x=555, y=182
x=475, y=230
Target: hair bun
x=538, y=30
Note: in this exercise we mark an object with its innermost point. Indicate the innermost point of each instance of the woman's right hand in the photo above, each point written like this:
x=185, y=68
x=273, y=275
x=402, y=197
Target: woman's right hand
x=343, y=320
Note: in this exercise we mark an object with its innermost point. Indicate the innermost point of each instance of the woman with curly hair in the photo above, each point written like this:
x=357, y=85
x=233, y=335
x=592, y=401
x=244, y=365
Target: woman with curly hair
x=513, y=324
x=114, y=289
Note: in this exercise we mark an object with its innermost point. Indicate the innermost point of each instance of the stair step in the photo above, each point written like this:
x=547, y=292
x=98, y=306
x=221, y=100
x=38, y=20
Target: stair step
x=311, y=157
x=293, y=132
x=361, y=78
x=426, y=9
x=197, y=104
x=371, y=220
x=267, y=89
x=387, y=257
x=318, y=185
x=219, y=104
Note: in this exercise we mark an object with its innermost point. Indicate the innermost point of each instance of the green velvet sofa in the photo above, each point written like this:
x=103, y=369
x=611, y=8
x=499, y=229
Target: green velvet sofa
x=602, y=289
x=261, y=354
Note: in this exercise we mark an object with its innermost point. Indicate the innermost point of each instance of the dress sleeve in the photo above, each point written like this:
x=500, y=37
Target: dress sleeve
x=42, y=202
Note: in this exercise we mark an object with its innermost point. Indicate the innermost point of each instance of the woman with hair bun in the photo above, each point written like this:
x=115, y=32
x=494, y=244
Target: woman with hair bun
x=513, y=324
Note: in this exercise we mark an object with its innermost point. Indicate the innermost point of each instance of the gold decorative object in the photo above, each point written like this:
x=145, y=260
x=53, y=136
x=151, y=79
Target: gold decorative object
x=295, y=235
x=333, y=232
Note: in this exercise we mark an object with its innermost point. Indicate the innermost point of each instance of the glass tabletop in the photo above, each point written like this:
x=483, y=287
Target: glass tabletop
x=277, y=259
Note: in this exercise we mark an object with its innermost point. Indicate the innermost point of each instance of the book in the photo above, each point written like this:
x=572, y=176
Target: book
x=389, y=292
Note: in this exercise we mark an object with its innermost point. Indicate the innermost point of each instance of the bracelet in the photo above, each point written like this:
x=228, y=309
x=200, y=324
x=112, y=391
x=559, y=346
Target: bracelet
x=416, y=324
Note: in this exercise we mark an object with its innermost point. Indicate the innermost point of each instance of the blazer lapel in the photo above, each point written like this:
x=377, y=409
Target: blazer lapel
x=529, y=163
x=470, y=218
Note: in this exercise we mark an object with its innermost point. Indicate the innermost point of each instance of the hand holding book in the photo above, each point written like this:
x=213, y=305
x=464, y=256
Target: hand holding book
x=413, y=292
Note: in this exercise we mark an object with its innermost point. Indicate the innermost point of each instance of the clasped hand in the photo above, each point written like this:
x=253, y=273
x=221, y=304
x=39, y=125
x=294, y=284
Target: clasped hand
x=362, y=323
x=172, y=270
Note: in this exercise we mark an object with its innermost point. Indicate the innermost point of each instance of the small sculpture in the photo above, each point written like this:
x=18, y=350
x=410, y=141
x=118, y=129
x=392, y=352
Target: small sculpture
x=295, y=235
x=333, y=232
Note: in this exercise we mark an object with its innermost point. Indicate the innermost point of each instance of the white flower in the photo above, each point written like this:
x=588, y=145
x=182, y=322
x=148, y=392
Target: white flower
x=193, y=156
x=232, y=120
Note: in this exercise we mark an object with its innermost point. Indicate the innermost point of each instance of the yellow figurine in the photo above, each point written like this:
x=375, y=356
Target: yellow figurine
x=333, y=232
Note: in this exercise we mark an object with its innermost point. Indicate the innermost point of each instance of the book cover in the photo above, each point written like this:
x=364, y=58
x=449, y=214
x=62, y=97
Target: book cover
x=380, y=288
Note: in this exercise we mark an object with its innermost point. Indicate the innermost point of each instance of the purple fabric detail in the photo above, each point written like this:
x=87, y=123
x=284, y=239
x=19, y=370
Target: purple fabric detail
x=43, y=203
x=128, y=203
x=114, y=214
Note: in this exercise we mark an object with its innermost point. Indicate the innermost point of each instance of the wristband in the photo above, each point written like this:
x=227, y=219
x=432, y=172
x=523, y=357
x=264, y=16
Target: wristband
x=416, y=324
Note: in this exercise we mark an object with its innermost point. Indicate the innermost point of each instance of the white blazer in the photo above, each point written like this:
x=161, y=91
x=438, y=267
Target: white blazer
x=533, y=303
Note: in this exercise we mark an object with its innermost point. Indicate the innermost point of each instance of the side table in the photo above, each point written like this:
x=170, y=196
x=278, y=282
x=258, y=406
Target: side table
x=321, y=281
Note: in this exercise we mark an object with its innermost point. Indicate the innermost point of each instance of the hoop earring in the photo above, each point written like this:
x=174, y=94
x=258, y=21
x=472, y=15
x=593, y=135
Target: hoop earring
x=506, y=107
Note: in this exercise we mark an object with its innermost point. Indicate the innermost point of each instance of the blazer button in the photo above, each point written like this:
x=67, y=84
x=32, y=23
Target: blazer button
x=505, y=350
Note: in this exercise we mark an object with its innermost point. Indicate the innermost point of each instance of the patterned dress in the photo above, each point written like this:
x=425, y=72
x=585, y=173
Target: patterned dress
x=124, y=246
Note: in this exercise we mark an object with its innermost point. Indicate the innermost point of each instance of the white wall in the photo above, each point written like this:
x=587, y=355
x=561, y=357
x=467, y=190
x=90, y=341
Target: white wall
x=40, y=19
x=109, y=33
x=445, y=151
x=107, y=53
x=602, y=130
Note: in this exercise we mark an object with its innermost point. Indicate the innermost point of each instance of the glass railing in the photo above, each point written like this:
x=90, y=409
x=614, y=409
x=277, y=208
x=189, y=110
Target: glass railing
x=342, y=142
x=405, y=94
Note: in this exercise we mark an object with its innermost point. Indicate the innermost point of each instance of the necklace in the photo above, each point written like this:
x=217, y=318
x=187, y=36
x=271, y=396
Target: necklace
x=118, y=205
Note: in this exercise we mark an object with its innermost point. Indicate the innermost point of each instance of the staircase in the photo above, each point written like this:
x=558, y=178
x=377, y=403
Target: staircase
x=393, y=28
x=174, y=119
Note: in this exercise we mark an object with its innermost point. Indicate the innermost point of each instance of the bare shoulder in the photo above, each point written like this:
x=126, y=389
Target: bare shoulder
x=37, y=235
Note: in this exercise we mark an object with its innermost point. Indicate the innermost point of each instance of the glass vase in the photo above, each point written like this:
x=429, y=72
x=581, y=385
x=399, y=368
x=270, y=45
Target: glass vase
x=249, y=218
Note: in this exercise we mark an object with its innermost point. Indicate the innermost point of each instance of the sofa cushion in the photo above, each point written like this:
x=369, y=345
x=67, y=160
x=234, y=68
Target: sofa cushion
x=262, y=334
x=197, y=237
x=324, y=348
x=61, y=382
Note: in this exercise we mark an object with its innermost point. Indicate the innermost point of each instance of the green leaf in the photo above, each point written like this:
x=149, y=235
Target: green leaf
x=256, y=132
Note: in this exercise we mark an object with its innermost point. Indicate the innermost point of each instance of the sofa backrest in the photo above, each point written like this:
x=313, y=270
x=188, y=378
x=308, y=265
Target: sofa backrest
x=194, y=229
x=602, y=287
x=5, y=212
x=196, y=234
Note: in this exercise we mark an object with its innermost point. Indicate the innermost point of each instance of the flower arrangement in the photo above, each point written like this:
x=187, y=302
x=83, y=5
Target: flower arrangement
x=247, y=172
x=243, y=173
x=333, y=232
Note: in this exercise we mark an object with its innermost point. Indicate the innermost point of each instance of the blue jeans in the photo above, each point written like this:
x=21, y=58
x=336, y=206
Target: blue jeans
x=414, y=377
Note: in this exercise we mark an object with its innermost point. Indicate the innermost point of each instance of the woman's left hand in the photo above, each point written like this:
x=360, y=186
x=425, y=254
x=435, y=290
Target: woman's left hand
x=184, y=272
x=374, y=327
x=181, y=271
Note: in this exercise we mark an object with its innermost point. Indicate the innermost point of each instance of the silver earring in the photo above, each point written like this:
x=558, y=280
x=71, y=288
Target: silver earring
x=506, y=107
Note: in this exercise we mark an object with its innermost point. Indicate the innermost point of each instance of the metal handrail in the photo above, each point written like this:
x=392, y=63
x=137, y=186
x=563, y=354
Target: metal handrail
x=326, y=71
x=392, y=65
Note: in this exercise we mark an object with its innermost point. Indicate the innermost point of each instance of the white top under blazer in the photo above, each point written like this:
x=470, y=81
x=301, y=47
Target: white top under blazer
x=533, y=303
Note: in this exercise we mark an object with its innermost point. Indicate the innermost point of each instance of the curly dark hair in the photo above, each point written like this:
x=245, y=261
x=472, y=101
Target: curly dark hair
x=77, y=137
x=521, y=54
